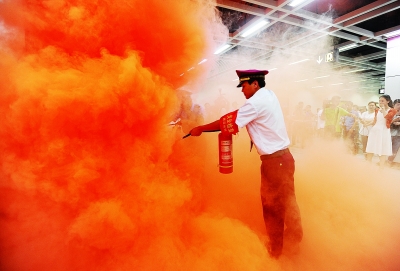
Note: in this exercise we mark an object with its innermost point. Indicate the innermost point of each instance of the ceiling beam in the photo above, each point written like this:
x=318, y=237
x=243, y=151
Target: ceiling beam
x=386, y=31
x=373, y=14
x=240, y=7
x=365, y=9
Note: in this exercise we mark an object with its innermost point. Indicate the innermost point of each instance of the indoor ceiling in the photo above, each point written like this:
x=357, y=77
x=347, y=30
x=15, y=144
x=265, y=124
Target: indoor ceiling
x=358, y=29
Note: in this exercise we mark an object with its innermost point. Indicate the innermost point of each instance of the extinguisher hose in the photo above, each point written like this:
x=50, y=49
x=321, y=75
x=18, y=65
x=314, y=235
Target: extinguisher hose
x=211, y=131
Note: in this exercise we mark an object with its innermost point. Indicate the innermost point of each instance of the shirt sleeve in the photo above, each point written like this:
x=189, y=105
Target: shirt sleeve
x=246, y=114
x=342, y=112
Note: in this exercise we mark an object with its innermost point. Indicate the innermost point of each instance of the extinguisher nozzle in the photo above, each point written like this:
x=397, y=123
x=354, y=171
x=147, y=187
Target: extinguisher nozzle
x=186, y=136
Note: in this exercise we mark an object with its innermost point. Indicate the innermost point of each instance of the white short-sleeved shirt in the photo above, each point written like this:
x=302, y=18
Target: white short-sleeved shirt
x=320, y=122
x=262, y=115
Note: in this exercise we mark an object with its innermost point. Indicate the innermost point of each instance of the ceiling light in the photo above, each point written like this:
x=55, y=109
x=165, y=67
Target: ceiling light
x=318, y=87
x=348, y=47
x=190, y=69
x=201, y=62
x=253, y=28
x=336, y=84
x=301, y=80
x=299, y=61
x=356, y=81
x=272, y=69
x=357, y=70
x=222, y=48
x=392, y=34
x=322, y=76
x=295, y=3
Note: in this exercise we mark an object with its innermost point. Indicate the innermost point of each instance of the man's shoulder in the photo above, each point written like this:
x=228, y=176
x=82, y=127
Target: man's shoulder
x=263, y=94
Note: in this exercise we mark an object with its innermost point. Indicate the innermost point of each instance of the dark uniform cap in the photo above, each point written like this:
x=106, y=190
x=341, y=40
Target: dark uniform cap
x=246, y=75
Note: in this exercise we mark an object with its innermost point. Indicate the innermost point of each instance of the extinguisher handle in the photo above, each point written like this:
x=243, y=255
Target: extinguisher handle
x=211, y=131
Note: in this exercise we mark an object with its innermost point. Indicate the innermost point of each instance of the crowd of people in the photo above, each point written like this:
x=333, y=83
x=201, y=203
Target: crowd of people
x=373, y=129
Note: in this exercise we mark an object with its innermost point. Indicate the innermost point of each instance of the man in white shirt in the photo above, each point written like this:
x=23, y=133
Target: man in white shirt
x=262, y=115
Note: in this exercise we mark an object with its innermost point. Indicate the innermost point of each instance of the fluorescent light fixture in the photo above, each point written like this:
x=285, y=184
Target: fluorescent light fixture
x=299, y=61
x=235, y=79
x=381, y=91
x=182, y=74
x=272, y=69
x=201, y=62
x=357, y=81
x=348, y=47
x=322, y=76
x=190, y=69
x=222, y=48
x=392, y=34
x=301, y=80
x=358, y=70
x=295, y=3
x=253, y=28
x=318, y=87
x=336, y=84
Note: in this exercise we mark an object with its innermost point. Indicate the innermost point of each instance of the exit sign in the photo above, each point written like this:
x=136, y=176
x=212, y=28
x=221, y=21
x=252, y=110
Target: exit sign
x=329, y=57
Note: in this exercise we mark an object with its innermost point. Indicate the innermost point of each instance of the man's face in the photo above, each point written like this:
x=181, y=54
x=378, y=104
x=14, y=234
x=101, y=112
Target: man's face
x=371, y=106
x=249, y=89
x=397, y=107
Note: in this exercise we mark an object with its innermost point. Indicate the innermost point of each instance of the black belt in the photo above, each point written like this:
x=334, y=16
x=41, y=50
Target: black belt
x=275, y=154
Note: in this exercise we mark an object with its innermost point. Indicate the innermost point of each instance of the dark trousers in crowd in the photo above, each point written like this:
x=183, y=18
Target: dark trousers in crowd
x=279, y=203
x=351, y=138
x=330, y=131
x=395, y=147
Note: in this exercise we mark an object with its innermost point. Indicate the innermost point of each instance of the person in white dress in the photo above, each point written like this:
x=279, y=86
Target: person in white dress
x=366, y=123
x=379, y=139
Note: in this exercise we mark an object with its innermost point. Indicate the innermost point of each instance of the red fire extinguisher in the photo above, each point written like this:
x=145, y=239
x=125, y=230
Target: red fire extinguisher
x=225, y=153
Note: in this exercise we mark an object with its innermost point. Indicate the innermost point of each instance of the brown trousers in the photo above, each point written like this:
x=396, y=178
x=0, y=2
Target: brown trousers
x=279, y=202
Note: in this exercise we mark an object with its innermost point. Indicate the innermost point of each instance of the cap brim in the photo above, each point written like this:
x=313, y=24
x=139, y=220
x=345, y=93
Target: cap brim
x=241, y=83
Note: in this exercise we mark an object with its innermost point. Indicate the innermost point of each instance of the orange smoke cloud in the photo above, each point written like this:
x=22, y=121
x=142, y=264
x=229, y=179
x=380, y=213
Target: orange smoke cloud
x=88, y=177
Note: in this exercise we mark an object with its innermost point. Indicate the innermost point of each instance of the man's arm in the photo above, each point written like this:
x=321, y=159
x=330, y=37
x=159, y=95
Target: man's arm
x=226, y=124
x=213, y=126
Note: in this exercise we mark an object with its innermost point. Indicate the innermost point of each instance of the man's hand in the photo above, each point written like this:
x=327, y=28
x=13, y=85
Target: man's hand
x=196, y=131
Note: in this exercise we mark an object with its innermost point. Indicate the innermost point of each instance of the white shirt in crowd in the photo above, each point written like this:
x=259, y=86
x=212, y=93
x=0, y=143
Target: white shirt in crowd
x=366, y=116
x=262, y=115
x=320, y=122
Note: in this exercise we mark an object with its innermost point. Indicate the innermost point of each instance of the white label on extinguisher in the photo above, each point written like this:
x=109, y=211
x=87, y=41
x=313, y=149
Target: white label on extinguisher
x=225, y=148
x=226, y=157
x=226, y=142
